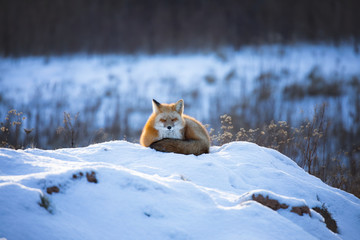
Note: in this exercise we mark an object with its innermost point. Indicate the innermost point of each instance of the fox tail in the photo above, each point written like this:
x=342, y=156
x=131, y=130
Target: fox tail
x=195, y=147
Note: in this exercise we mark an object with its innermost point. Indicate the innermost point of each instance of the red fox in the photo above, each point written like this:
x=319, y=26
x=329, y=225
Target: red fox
x=169, y=130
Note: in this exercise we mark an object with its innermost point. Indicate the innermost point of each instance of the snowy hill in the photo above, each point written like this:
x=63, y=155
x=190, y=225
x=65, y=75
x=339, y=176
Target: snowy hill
x=120, y=190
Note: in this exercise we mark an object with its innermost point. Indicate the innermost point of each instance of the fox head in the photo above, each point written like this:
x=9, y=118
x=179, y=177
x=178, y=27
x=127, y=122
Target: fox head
x=168, y=117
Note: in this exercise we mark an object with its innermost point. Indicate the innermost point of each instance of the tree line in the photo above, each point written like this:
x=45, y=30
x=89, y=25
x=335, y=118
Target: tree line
x=41, y=27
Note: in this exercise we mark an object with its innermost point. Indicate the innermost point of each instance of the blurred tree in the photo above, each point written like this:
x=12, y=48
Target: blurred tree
x=103, y=26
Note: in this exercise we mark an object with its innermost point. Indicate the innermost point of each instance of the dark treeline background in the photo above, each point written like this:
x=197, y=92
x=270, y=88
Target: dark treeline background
x=39, y=27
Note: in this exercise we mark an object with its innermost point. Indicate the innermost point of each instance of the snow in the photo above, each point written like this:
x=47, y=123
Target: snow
x=101, y=87
x=144, y=194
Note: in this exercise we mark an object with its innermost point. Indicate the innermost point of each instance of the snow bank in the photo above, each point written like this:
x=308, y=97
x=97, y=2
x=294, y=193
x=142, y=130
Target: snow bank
x=143, y=194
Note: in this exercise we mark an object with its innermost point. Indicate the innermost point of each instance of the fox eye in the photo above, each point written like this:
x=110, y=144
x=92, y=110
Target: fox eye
x=162, y=120
x=174, y=119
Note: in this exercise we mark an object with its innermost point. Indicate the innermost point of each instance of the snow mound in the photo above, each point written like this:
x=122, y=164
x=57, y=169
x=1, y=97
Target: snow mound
x=120, y=190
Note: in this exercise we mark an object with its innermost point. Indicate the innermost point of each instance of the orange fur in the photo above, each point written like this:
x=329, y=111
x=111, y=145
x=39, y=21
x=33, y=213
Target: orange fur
x=149, y=133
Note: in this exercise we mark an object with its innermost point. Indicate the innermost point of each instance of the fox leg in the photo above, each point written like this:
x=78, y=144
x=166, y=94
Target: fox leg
x=195, y=147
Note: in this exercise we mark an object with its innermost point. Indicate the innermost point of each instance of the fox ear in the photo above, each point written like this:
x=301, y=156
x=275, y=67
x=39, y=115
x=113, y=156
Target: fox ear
x=179, y=106
x=155, y=106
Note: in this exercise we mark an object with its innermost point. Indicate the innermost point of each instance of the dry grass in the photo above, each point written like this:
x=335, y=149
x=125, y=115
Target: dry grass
x=10, y=130
x=70, y=129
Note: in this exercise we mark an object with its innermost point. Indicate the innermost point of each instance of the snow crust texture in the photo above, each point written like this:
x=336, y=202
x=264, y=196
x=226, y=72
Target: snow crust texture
x=120, y=190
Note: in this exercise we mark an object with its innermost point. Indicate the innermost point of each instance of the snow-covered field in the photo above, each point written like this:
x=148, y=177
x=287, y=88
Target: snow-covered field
x=114, y=92
x=138, y=193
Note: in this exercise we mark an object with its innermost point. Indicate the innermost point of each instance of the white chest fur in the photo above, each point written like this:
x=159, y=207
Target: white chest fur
x=165, y=133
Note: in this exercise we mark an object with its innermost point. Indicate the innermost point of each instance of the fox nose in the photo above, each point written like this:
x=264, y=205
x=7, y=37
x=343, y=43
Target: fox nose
x=169, y=127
